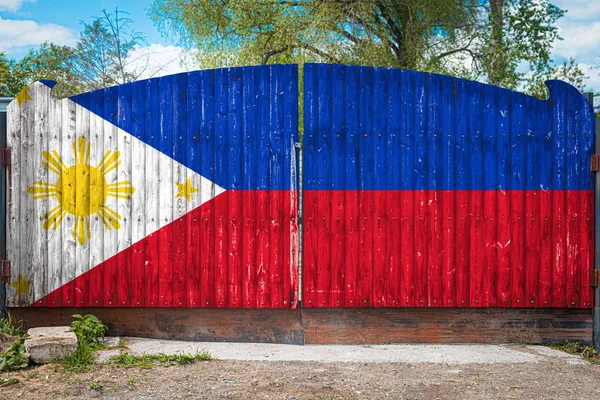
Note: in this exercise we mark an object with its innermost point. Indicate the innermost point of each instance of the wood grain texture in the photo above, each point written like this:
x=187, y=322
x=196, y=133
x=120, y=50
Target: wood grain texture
x=456, y=193
x=430, y=325
x=109, y=188
x=334, y=326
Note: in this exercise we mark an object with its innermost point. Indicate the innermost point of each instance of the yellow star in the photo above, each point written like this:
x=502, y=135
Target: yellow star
x=185, y=189
x=21, y=285
x=22, y=96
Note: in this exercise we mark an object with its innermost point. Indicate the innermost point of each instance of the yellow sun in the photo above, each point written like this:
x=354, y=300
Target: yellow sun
x=81, y=190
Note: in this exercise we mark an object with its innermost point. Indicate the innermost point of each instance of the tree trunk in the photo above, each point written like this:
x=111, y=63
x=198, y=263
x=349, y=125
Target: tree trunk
x=496, y=8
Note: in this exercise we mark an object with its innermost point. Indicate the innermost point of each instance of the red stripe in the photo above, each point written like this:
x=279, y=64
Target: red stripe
x=185, y=264
x=456, y=248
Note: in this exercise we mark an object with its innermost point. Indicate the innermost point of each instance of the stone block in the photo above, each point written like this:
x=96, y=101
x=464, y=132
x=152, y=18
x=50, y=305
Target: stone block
x=47, y=344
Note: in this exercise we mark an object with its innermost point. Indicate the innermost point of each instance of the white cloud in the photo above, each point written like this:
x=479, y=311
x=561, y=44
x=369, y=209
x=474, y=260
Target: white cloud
x=583, y=10
x=580, y=30
x=13, y=5
x=158, y=60
x=19, y=34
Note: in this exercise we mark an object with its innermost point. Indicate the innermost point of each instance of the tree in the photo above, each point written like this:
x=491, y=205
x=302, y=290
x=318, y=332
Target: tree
x=49, y=61
x=101, y=58
x=482, y=40
x=569, y=72
x=518, y=32
x=404, y=34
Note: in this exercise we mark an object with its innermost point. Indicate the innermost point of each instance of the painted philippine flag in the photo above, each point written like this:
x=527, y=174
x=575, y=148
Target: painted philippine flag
x=176, y=191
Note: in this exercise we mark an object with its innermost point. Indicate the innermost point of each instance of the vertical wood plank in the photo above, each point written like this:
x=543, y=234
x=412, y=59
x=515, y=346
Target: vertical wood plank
x=180, y=202
x=152, y=192
x=41, y=97
x=338, y=197
x=407, y=213
x=380, y=181
x=139, y=267
x=351, y=174
x=517, y=203
x=166, y=195
x=13, y=206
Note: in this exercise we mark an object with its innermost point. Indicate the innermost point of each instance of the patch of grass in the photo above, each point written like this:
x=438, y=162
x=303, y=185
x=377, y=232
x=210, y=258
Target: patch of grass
x=9, y=328
x=587, y=352
x=148, y=361
x=15, y=357
x=95, y=386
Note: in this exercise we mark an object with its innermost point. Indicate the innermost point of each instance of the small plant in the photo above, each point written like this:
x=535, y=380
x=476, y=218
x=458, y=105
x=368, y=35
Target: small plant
x=587, y=352
x=8, y=327
x=15, y=357
x=95, y=386
x=88, y=328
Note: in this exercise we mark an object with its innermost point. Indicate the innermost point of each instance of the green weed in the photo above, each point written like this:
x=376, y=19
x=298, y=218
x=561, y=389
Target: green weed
x=89, y=329
x=587, y=352
x=148, y=361
x=95, y=386
x=15, y=357
x=9, y=328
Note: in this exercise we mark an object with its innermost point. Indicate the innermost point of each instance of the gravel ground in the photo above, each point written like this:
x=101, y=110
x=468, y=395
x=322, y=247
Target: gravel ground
x=551, y=376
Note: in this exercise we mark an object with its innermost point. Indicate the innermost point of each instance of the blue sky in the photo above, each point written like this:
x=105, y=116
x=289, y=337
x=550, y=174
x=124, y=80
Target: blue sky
x=26, y=23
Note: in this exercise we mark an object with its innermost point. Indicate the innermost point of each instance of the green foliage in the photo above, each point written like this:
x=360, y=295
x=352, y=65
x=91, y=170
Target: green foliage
x=15, y=357
x=9, y=328
x=568, y=72
x=405, y=34
x=587, y=352
x=148, y=361
x=101, y=58
x=88, y=328
x=95, y=385
x=482, y=40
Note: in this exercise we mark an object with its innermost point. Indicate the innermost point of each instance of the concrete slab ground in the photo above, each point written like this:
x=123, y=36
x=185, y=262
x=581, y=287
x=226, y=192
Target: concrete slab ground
x=398, y=353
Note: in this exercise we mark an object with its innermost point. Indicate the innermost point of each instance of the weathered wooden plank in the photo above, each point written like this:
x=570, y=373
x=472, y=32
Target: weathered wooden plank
x=152, y=193
x=97, y=228
x=13, y=205
x=55, y=237
x=82, y=184
x=39, y=134
x=445, y=325
x=139, y=212
x=180, y=201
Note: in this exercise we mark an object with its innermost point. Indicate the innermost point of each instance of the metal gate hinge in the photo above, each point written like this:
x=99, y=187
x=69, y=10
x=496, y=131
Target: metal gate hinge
x=5, y=269
x=595, y=165
x=595, y=278
x=5, y=157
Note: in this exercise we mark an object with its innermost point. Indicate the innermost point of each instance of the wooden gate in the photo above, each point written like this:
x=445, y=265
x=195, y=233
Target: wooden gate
x=423, y=190
x=178, y=191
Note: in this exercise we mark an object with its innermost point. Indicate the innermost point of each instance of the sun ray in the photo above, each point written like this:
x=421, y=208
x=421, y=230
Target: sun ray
x=111, y=216
x=53, y=162
x=81, y=230
x=109, y=162
x=121, y=190
x=53, y=221
x=42, y=190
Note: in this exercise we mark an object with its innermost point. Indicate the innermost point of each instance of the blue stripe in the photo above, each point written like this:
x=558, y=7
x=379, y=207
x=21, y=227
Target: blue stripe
x=234, y=126
x=442, y=133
